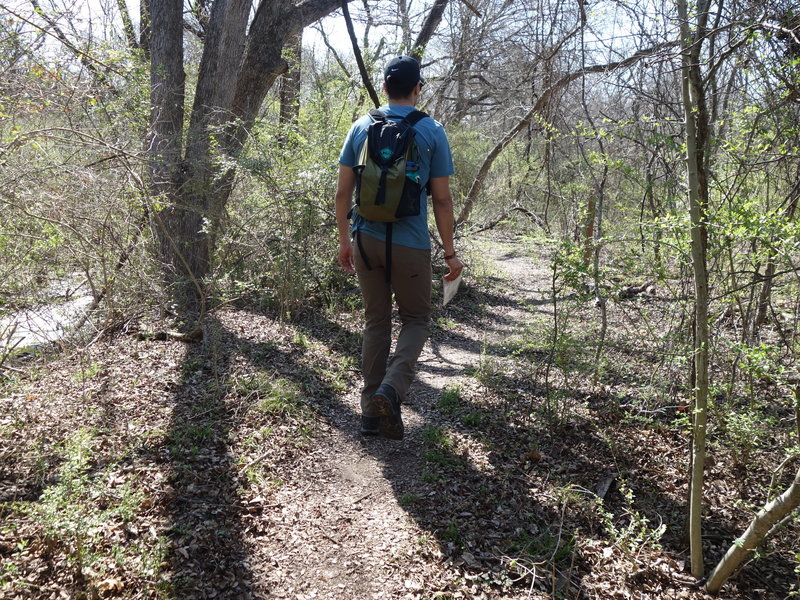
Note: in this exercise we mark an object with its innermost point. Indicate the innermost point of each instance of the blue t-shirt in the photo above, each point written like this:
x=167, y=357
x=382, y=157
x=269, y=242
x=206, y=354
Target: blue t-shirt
x=435, y=161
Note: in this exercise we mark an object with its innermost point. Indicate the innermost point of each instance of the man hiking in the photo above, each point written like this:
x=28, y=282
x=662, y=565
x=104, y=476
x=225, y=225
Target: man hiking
x=394, y=256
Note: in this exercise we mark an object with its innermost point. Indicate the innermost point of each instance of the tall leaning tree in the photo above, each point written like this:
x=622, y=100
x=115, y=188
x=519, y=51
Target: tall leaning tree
x=189, y=159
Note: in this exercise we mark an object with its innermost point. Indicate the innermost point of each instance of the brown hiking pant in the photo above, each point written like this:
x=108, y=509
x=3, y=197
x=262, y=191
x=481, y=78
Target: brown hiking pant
x=411, y=284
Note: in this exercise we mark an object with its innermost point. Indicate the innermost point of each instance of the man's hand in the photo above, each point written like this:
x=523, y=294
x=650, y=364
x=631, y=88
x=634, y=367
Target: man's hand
x=344, y=192
x=445, y=223
x=456, y=266
x=346, y=258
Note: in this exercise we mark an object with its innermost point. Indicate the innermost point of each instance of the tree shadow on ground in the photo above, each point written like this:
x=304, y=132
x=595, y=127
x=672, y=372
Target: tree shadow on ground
x=206, y=556
x=645, y=457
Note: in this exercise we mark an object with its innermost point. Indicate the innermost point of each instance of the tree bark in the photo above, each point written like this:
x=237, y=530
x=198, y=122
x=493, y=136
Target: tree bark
x=275, y=21
x=588, y=229
x=289, y=87
x=175, y=223
x=405, y=25
x=754, y=535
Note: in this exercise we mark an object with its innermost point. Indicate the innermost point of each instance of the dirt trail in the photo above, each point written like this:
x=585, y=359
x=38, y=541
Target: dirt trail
x=342, y=526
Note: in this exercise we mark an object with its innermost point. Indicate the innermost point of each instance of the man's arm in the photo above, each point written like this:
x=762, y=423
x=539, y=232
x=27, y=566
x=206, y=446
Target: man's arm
x=344, y=195
x=445, y=223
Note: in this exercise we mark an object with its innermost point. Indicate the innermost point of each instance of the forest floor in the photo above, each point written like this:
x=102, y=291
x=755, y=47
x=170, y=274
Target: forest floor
x=233, y=468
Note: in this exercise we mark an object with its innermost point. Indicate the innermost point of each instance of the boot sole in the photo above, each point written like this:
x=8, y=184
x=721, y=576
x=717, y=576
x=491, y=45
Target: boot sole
x=369, y=426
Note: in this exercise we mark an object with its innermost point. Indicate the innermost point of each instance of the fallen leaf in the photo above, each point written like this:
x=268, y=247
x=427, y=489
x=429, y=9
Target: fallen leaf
x=112, y=584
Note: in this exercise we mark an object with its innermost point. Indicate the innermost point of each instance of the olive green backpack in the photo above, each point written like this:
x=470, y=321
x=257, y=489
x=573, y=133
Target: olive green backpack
x=387, y=174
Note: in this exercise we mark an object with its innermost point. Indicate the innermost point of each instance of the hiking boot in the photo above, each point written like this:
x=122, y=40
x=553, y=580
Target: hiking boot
x=390, y=424
x=369, y=425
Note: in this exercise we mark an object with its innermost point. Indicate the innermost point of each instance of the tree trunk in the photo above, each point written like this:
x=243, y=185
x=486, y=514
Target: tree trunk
x=174, y=222
x=237, y=69
x=654, y=212
x=696, y=138
x=145, y=26
x=289, y=88
x=588, y=230
x=766, y=288
x=405, y=25
x=754, y=535
x=764, y=296
x=127, y=25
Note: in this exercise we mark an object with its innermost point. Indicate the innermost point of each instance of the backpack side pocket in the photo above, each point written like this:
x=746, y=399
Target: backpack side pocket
x=409, y=205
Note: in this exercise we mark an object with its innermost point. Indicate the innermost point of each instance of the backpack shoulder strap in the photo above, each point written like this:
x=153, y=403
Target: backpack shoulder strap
x=377, y=115
x=414, y=117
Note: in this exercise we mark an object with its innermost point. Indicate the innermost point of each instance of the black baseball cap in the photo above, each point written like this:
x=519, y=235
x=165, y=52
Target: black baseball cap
x=403, y=70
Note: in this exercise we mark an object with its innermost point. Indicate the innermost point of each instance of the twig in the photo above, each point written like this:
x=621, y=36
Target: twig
x=558, y=544
x=777, y=472
x=290, y=500
x=472, y=8
x=755, y=281
x=364, y=497
x=533, y=582
x=7, y=350
x=332, y=50
x=86, y=59
x=532, y=216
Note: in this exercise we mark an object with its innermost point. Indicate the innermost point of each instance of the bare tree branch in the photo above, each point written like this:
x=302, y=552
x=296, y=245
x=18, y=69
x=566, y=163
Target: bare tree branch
x=313, y=10
x=428, y=28
x=538, y=108
x=334, y=52
x=362, y=68
x=87, y=60
x=127, y=24
x=471, y=6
